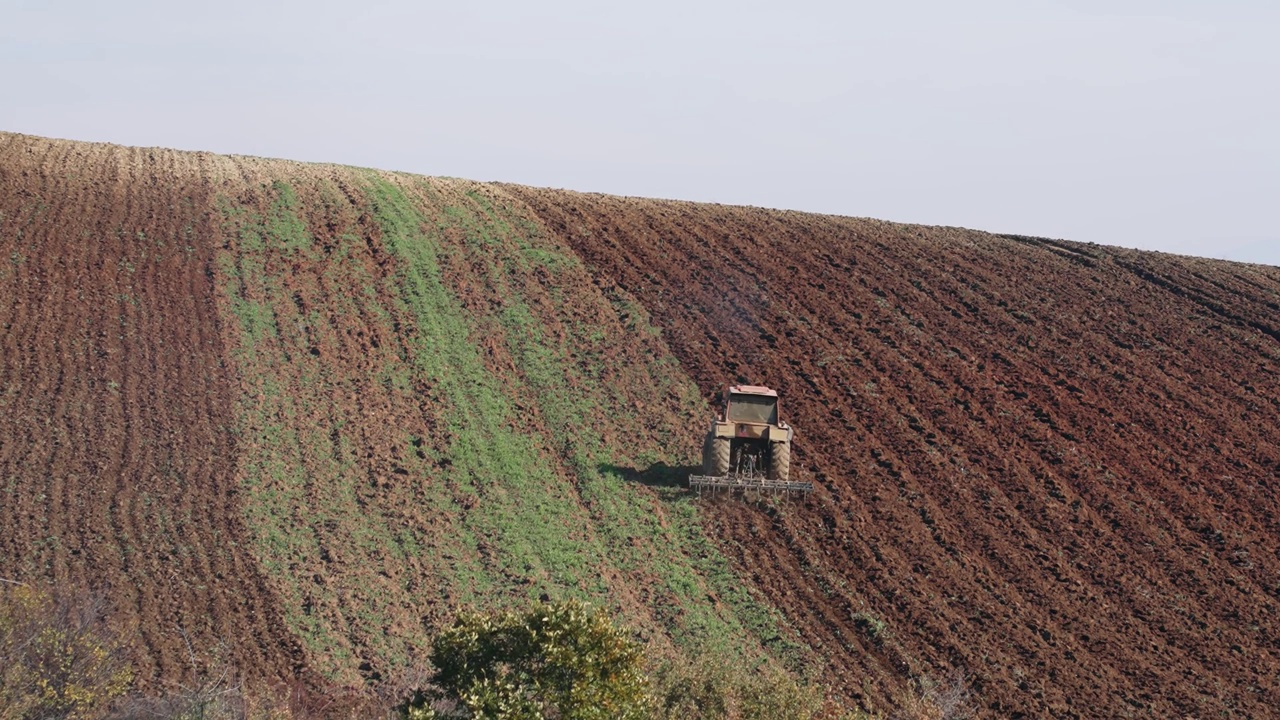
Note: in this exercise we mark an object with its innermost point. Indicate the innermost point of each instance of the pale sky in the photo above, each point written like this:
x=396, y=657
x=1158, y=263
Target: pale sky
x=1142, y=123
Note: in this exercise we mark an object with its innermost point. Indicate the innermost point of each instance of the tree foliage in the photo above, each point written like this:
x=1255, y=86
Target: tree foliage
x=561, y=661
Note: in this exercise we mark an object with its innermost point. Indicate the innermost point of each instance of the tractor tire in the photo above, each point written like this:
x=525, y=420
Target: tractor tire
x=716, y=458
x=780, y=461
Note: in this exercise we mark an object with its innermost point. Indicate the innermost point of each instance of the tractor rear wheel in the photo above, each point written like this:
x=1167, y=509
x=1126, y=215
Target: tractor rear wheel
x=780, y=461
x=715, y=458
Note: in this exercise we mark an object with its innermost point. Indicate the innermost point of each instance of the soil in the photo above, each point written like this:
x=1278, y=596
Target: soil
x=1046, y=466
x=118, y=467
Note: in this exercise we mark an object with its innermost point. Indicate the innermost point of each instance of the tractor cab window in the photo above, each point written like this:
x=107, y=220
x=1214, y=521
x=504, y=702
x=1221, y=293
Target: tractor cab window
x=753, y=409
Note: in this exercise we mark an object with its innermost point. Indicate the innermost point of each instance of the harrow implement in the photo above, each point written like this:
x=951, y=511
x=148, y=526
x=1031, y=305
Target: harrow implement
x=747, y=482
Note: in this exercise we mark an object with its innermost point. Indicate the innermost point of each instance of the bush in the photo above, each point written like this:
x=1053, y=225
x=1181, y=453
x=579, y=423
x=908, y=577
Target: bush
x=714, y=689
x=58, y=657
x=558, y=660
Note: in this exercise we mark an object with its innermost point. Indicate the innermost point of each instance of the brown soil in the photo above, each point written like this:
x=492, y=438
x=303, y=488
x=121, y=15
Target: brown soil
x=1049, y=466
x=117, y=463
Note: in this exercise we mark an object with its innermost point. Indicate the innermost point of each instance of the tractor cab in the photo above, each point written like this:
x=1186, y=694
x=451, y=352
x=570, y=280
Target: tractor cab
x=753, y=404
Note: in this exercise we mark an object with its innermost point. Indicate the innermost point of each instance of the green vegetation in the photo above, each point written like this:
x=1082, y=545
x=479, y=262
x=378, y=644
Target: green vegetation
x=300, y=465
x=439, y=409
x=523, y=507
x=558, y=660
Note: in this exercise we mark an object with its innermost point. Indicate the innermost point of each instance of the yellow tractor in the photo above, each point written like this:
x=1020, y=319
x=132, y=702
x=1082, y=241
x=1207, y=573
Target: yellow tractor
x=747, y=446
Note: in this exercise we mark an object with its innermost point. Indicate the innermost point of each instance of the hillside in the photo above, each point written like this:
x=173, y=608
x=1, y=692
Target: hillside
x=304, y=413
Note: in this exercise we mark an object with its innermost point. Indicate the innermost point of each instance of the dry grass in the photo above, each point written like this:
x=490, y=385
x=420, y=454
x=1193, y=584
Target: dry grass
x=933, y=700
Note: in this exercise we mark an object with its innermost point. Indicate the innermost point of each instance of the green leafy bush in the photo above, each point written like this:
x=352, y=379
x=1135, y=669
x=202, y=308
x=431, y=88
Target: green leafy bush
x=557, y=660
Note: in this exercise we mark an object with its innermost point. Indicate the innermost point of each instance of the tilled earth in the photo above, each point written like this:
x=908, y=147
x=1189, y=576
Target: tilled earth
x=115, y=404
x=1046, y=467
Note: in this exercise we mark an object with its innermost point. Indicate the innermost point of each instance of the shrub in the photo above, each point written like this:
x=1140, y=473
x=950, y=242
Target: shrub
x=560, y=660
x=716, y=689
x=58, y=657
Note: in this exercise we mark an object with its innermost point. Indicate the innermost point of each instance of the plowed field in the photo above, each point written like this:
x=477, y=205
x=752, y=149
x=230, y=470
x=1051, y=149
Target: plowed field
x=1051, y=466
x=300, y=414
x=117, y=463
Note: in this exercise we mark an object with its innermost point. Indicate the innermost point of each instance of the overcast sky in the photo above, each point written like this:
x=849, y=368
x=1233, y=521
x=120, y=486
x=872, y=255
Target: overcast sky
x=1143, y=123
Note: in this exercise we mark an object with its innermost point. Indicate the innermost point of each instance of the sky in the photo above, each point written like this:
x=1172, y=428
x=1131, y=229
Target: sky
x=1142, y=123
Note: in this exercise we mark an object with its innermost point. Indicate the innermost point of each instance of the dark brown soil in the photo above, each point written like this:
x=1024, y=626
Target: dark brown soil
x=117, y=462
x=1049, y=466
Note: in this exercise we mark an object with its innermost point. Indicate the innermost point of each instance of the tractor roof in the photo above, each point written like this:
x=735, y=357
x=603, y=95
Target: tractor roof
x=752, y=390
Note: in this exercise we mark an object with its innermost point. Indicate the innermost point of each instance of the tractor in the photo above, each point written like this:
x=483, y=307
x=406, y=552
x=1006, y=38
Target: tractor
x=747, y=447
